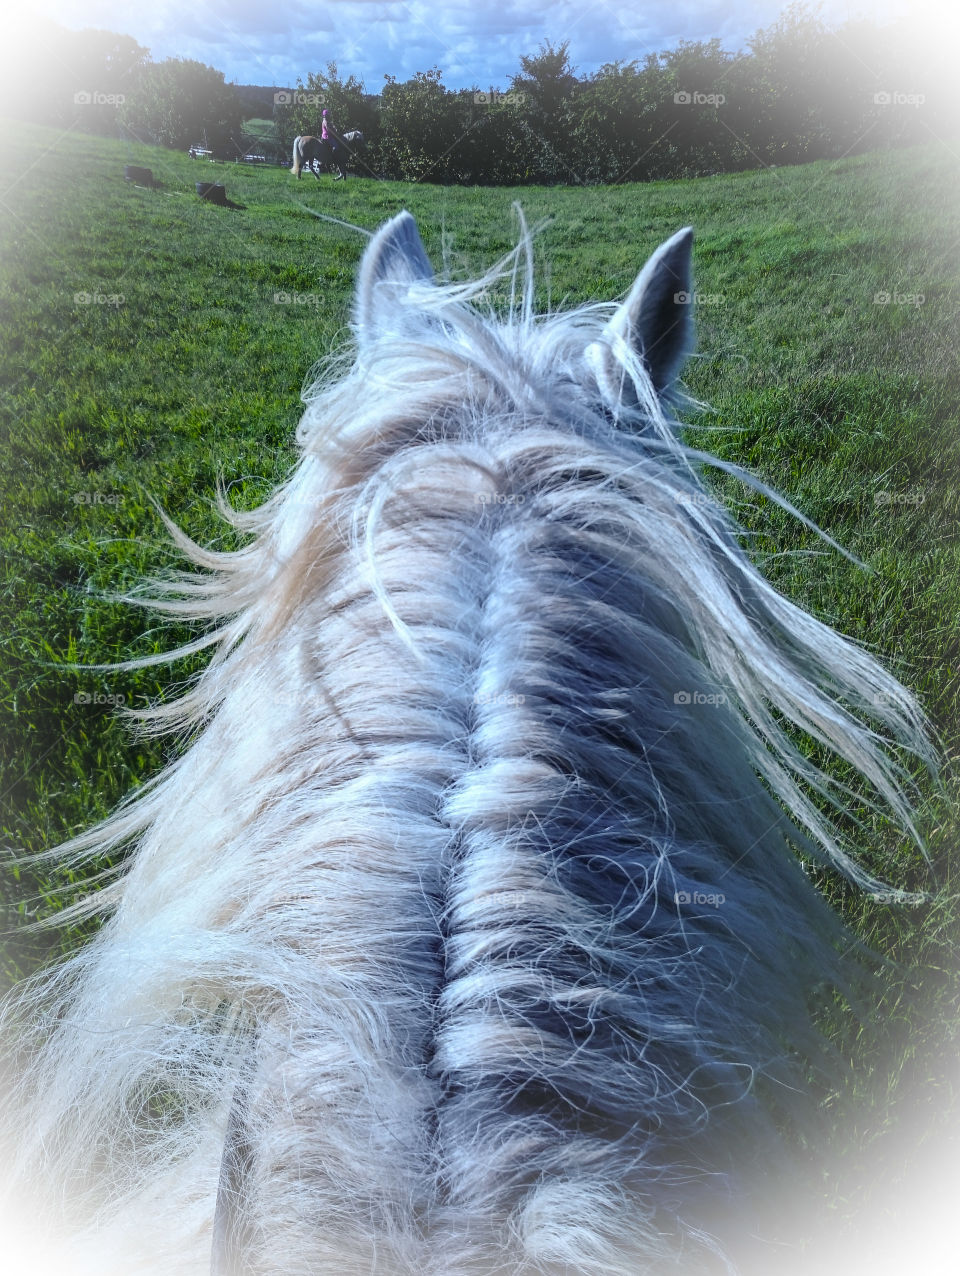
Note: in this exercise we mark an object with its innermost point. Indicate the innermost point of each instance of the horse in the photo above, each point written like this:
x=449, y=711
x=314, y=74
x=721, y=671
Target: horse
x=309, y=151
x=356, y=146
x=468, y=931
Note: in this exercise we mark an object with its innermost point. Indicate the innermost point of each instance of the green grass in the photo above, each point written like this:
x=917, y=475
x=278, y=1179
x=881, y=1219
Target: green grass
x=849, y=407
x=265, y=131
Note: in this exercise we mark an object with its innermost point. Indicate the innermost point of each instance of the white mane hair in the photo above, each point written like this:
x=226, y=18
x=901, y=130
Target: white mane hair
x=468, y=935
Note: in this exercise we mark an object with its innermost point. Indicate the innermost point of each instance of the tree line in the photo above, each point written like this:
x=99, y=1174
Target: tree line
x=800, y=90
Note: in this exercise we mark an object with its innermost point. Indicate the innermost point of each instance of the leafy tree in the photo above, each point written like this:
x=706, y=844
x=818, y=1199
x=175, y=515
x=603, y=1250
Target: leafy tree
x=547, y=85
x=609, y=132
x=786, y=100
x=68, y=78
x=422, y=126
x=178, y=102
x=696, y=107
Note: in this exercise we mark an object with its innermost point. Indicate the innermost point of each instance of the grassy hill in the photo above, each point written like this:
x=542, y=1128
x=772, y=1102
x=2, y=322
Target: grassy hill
x=152, y=343
x=265, y=132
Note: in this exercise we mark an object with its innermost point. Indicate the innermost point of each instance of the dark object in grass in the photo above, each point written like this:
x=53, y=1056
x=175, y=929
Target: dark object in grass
x=141, y=176
x=213, y=192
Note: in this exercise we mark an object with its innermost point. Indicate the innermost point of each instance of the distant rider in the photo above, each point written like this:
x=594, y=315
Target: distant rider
x=336, y=143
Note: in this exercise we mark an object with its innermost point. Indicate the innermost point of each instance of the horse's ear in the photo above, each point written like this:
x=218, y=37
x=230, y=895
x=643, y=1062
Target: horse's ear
x=655, y=320
x=394, y=260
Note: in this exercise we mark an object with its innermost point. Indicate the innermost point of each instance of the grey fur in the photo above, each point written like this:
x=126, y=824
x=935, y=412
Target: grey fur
x=494, y=715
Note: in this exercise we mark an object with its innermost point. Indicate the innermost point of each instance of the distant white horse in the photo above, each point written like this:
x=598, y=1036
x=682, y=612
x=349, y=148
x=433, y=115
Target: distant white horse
x=468, y=934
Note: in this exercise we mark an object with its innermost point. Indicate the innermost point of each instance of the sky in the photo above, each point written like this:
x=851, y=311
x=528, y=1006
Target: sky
x=474, y=42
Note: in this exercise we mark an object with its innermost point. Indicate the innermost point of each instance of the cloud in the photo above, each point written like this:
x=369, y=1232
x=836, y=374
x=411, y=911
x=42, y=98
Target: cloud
x=472, y=41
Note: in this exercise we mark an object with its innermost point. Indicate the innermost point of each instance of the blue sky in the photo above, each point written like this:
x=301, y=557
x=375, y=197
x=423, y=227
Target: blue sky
x=472, y=41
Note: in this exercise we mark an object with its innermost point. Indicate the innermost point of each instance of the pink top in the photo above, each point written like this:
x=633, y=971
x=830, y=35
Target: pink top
x=323, y=129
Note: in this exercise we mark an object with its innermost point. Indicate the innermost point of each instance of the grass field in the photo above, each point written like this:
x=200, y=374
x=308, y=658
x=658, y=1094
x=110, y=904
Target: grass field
x=152, y=343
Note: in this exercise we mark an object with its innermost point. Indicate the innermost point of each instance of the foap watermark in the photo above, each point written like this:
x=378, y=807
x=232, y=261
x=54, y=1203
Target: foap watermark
x=298, y=298
x=881, y=700
x=897, y=897
x=115, y=299
x=894, y=298
x=698, y=500
x=91, y=97
x=97, y=498
x=298, y=97
x=516, y=899
x=700, y=697
x=499, y=698
x=912, y=496
x=113, y=698
x=307, y=501
x=495, y=97
x=699, y=298
x=713, y=899
x=500, y=498
x=683, y=98
x=893, y=97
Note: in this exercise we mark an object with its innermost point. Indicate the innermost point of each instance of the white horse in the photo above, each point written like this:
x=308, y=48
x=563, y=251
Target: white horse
x=468, y=935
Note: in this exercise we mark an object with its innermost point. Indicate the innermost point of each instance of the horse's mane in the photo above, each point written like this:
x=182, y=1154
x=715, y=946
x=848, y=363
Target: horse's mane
x=489, y=691
x=428, y=393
